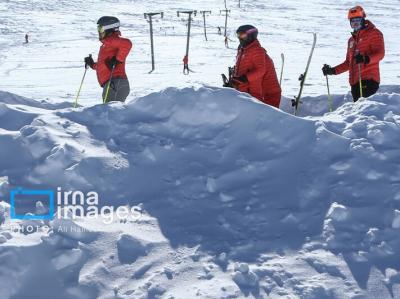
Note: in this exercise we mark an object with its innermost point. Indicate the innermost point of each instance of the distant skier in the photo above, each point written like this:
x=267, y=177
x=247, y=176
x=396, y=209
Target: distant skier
x=111, y=60
x=26, y=38
x=254, y=71
x=365, y=50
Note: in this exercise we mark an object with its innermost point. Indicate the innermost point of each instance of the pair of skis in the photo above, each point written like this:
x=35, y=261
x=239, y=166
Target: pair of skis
x=297, y=100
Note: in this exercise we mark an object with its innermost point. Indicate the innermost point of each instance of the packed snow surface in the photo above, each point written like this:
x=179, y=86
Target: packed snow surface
x=234, y=198
x=228, y=197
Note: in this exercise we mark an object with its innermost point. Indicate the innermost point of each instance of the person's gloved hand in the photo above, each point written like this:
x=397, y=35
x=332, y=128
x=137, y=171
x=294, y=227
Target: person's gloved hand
x=111, y=63
x=328, y=70
x=361, y=59
x=242, y=79
x=89, y=61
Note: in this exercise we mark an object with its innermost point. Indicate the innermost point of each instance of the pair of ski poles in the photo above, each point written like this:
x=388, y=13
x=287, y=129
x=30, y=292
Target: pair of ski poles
x=105, y=99
x=329, y=93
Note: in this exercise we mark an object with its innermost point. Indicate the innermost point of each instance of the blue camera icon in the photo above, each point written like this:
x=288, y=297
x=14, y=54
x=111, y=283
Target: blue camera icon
x=31, y=194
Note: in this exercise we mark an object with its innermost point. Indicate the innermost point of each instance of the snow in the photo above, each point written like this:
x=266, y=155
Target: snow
x=231, y=204
x=203, y=192
x=63, y=33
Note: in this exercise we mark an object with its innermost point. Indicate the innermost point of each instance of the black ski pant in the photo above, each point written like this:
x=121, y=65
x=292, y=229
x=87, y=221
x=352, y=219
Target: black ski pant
x=119, y=90
x=369, y=88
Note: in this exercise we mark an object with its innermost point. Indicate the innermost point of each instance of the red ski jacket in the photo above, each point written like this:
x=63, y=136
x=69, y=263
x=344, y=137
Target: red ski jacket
x=368, y=41
x=112, y=45
x=271, y=89
x=254, y=62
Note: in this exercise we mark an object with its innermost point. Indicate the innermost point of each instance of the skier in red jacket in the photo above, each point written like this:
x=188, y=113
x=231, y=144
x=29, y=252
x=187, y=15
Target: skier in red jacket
x=254, y=71
x=111, y=60
x=366, y=48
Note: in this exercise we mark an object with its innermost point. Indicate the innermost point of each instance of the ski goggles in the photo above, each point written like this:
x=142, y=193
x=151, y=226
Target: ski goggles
x=100, y=29
x=103, y=28
x=243, y=35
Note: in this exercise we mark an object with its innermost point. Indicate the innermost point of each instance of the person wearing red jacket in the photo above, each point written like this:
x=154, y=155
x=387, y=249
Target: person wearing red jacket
x=111, y=60
x=366, y=48
x=254, y=71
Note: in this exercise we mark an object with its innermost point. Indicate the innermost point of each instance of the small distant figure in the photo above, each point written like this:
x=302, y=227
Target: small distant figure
x=226, y=42
x=26, y=38
x=186, y=64
x=219, y=30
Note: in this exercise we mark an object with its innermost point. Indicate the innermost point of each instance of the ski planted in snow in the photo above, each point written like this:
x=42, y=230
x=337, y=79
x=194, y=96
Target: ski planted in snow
x=296, y=101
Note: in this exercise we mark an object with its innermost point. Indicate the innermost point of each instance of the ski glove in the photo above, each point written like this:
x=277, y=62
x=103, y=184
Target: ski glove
x=328, y=70
x=362, y=59
x=242, y=79
x=89, y=61
x=111, y=63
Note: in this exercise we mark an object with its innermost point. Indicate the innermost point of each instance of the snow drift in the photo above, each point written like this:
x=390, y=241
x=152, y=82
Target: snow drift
x=234, y=190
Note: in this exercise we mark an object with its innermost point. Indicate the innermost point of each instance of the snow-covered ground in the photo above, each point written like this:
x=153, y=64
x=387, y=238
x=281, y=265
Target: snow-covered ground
x=226, y=197
x=233, y=198
x=63, y=32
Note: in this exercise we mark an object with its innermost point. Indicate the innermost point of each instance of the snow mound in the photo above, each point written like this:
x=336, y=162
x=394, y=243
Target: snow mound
x=12, y=99
x=230, y=188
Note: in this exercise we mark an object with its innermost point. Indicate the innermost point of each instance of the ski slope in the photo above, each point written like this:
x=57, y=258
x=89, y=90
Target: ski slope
x=232, y=198
x=64, y=32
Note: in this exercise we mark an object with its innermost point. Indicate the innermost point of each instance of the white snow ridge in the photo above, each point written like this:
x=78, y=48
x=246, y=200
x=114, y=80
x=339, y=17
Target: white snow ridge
x=189, y=190
x=233, y=198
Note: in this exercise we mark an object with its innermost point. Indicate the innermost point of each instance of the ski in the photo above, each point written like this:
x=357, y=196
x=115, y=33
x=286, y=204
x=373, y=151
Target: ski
x=283, y=64
x=296, y=101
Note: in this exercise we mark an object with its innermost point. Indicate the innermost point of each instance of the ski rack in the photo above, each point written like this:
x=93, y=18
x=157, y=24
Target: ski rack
x=204, y=12
x=186, y=69
x=149, y=17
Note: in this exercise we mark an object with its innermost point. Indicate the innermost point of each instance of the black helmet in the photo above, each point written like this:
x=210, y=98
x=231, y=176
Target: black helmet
x=107, y=25
x=246, y=34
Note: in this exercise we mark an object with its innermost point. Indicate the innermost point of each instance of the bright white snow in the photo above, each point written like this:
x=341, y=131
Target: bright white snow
x=232, y=198
x=238, y=198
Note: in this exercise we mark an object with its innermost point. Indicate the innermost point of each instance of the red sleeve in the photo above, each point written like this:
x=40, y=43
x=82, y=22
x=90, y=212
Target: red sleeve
x=124, y=47
x=345, y=66
x=377, y=47
x=94, y=66
x=259, y=63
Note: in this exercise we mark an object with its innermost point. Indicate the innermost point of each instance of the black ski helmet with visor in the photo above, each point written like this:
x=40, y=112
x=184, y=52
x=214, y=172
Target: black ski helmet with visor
x=107, y=25
x=246, y=34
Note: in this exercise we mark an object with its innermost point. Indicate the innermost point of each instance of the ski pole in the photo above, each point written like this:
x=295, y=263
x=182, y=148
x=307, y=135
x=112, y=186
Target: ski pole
x=80, y=87
x=360, y=80
x=283, y=63
x=105, y=100
x=329, y=95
